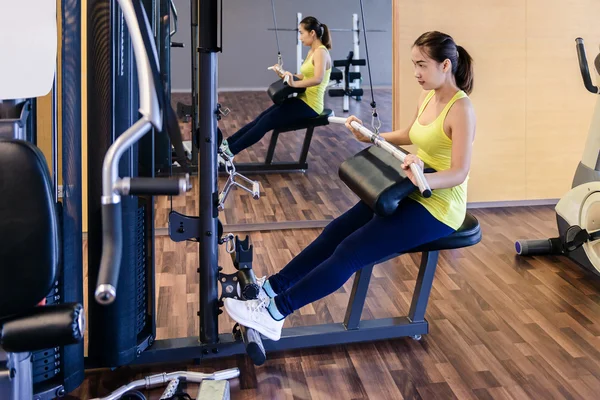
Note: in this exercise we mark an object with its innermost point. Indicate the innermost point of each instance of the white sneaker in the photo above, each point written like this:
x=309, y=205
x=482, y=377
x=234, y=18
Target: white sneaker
x=254, y=314
x=261, y=293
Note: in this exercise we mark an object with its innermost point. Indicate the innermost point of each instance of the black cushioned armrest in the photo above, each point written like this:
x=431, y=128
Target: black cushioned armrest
x=42, y=328
x=377, y=179
x=278, y=91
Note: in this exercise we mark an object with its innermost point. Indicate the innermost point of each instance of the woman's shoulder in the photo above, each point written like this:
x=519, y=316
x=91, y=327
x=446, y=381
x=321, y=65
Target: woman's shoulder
x=462, y=109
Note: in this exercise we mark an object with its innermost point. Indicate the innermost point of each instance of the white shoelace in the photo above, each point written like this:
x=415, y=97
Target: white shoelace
x=257, y=306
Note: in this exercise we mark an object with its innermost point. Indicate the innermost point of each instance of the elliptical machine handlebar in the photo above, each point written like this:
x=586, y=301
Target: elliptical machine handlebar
x=583, y=66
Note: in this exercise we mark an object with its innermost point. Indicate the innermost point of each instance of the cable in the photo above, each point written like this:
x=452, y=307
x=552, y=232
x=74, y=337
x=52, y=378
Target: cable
x=376, y=123
x=279, y=58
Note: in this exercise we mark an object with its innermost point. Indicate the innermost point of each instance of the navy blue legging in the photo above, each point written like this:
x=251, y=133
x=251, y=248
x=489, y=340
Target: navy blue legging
x=291, y=111
x=350, y=242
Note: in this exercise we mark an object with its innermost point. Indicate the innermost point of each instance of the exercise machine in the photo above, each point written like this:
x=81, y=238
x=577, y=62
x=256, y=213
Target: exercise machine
x=577, y=214
x=154, y=112
x=41, y=292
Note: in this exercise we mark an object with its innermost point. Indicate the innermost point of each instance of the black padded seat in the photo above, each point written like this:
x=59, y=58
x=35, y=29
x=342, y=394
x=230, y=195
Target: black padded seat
x=29, y=252
x=467, y=235
x=322, y=119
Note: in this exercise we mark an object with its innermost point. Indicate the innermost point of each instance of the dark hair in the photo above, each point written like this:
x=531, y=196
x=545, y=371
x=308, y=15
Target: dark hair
x=440, y=46
x=321, y=30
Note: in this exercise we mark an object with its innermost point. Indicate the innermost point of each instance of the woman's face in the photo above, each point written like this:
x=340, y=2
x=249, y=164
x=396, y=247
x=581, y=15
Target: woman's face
x=429, y=73
x=306, y=37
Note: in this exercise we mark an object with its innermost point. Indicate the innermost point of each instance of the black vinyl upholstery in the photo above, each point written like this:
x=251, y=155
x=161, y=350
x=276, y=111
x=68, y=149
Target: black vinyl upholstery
x=44, y=327
x=467, y=235
x=29, y=252
x=278, y=91
x=377, y=179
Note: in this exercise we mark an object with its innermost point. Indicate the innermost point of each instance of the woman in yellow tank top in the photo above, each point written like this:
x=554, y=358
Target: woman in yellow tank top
x=314, y=76
x=444, y=128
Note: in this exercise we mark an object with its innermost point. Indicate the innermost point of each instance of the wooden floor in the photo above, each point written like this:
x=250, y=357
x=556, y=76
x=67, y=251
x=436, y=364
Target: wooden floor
x=501, y=327
x=318, y=194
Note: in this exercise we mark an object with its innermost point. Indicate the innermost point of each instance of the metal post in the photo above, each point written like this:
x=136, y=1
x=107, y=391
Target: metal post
x=207, y=169
x=272, y=145
x=356, y=303
x=194, y=50
x=306, y=144
x=72, y=251
x=423, y=286
x=55, y=134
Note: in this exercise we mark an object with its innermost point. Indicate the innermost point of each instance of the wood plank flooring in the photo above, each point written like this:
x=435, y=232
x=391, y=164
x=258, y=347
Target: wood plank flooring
x=318, y=194
x=501, y=327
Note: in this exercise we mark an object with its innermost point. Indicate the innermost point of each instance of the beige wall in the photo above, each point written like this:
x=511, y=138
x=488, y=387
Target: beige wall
x=532, y=110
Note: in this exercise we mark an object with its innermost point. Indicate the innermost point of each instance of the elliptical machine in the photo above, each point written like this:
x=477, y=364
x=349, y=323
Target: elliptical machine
x=578, y=212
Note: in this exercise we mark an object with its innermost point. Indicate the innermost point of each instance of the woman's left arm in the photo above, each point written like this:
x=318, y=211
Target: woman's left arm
x=461, y=121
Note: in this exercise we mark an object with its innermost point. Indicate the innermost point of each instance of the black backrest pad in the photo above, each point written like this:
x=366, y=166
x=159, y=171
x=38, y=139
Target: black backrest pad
x=377, y=179
x=28, y=228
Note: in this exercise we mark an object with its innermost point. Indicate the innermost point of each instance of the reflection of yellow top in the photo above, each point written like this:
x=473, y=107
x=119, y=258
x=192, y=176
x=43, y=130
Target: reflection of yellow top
x=435, y=149
x=314, y=95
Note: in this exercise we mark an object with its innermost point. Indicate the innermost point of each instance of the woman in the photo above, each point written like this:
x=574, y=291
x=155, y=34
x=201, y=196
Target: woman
x=443, y=128
x=314, y=76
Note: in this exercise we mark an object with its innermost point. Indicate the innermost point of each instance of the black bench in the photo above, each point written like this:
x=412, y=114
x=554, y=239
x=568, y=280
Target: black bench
x=286, y=166
x=414, y=324
x=353, y=329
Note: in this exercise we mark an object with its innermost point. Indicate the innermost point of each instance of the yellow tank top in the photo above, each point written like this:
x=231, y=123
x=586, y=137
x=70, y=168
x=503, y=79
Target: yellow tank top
x=314, y=95
x=435, y=149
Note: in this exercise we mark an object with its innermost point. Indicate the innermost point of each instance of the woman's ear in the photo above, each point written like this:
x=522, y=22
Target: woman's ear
x=447, y=65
